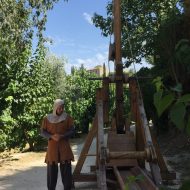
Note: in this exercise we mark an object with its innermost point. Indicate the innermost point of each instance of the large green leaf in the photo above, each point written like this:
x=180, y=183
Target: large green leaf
x=157, y=99
x=185, y=98
x=177, y=114
x=178, y=88
x=162, y=103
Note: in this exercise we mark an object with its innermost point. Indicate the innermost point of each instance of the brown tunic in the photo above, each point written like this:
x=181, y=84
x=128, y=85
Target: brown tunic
x=58, y=151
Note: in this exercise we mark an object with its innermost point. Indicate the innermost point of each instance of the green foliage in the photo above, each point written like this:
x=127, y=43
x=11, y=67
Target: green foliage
x=57, y=67
x=178, y=106
x=131, y=179
x=79, y=96
x=185, y=185
x=182, y=49
x=162, y=103
x=23, y=74
x=177, y=114
x=140, y=23
x=173, y=66
x=112, y=100
x=7, y=124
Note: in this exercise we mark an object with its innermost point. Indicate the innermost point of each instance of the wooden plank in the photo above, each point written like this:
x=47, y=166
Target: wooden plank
x=140, y=140
x=127, y=125
x=84, y=177
x=113, y=134
x=133, y=98
x=105, y=84
x=121, y=142
x=143, y=135
x=118, y=67
x=97, y=151
x=121, y=136
x=121, y=147
x=119, y=178
x=154, y=167
x=87, y=144
x=101, y=173
x=113, y=124
x=166, y=175
x=117, y=31
x=155, y=171
x=122, y=162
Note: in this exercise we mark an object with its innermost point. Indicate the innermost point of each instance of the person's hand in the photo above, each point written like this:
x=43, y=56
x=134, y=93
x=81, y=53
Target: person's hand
x=56, y=137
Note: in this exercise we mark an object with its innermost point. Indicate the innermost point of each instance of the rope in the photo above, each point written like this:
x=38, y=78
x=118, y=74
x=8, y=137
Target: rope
x=132, y=55
x=146, y=133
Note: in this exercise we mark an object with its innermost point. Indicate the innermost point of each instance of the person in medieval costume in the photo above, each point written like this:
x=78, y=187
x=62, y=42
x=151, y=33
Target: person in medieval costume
x=58, y=127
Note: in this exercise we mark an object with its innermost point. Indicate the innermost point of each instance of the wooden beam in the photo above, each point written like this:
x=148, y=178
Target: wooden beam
x=105, y=84
x=127, y=154
x=85, y=177
x=119, y=178
x=154, y=167
x=86, y=147
x=165, y=173
x=143, y=134
x=118, y=67
x=117, y=31
x=101, y=173
x=140, y=139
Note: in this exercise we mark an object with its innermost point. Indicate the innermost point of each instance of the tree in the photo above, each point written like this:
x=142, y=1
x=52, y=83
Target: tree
x=80, y=97
x=140, y=23
x=22, y=90
x=57, y=67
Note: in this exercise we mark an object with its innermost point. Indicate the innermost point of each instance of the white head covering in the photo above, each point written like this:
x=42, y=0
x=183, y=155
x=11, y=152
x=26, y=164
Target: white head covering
x=57, y=103
x=53, y=117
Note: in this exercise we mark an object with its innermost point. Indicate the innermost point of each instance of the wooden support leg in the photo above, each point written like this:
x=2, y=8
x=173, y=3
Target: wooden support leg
x=92, y=133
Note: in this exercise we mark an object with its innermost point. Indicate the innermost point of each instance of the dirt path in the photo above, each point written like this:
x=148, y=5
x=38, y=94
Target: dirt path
x=27, y=171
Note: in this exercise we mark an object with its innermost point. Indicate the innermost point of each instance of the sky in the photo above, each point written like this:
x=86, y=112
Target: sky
x=74, y=36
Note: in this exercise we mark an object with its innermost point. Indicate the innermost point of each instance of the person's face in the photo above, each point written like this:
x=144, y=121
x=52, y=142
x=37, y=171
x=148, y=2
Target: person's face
x=60, y=110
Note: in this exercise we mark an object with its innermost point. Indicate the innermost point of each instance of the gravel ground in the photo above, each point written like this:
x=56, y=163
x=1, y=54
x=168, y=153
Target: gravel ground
x=27, y=171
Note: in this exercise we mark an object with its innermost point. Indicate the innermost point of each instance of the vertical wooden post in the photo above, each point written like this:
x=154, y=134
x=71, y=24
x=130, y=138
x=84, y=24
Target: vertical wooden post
x=118, y=67
x=133, y=98
x=85, y=149
x=98, y=97
x=101, y=173
x=140, y=141
x=106, y=99
x=117, y=31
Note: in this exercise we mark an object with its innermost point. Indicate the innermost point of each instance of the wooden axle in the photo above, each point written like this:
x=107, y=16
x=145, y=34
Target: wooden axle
x=147, y=154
